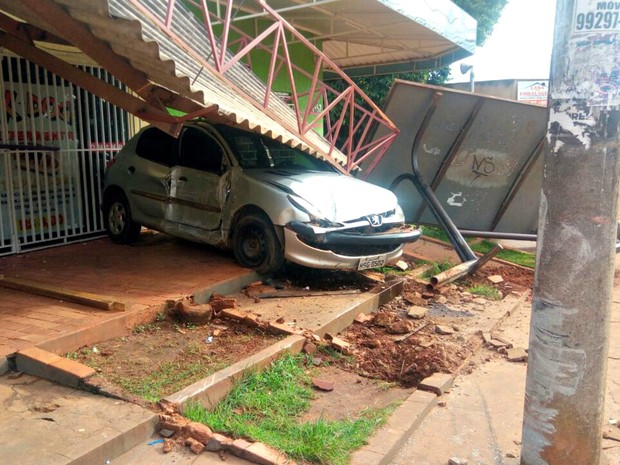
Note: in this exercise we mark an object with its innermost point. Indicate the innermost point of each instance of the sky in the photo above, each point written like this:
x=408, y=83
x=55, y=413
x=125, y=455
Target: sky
x=519, y=47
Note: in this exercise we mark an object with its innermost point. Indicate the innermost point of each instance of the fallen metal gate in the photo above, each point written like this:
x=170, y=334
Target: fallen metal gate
x=55, y=140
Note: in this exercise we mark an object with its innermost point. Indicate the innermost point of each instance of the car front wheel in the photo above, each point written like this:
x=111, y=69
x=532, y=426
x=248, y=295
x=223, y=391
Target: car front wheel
x=256, y=244
x=119, y=224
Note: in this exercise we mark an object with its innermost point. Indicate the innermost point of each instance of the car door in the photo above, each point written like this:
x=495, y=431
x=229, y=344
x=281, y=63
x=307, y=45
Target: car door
x=199, y=184
x=149, y=172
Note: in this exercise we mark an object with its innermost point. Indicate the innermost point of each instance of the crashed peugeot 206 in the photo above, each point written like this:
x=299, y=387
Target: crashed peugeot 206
x=266, y=201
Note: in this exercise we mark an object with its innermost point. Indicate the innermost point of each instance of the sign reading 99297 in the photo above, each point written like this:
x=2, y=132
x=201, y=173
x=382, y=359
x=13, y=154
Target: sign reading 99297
x=596, y=16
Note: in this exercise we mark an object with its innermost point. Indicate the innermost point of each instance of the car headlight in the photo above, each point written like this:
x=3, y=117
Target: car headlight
x=399, y=213
x=306, y=207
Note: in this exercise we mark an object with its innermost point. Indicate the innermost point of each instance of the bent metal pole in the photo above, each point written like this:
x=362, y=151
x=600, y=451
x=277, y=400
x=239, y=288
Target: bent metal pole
x=571, y=305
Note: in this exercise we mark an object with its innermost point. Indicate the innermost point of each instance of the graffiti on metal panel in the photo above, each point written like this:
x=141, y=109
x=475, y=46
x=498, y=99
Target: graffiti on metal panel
x=452, y=200
x=431, y=150
x=482, y=167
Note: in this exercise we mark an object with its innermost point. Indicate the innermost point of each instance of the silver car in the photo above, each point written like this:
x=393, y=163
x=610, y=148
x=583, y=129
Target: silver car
x=267, y=201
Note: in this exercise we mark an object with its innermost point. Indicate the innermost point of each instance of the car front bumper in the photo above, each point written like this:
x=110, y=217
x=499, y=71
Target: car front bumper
x=297, y=250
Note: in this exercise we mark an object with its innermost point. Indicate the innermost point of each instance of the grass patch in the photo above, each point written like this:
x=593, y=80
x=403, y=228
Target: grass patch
x=437, y=267
x=487, y=291
x=168, y=378
x=513, y=256
x=266, y=405
x=483, y=246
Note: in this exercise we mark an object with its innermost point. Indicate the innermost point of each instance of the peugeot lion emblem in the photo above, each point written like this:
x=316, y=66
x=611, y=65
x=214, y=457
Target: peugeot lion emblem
x=375, y=220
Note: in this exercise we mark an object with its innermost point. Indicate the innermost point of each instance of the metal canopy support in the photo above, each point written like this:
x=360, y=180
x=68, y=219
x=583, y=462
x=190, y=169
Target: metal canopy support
x=460, y=245
x=518, y=182
x=87, y=81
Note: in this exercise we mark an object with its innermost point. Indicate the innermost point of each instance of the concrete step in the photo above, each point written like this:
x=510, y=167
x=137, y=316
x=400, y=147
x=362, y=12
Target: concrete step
x=43, y=422
x=44, y=364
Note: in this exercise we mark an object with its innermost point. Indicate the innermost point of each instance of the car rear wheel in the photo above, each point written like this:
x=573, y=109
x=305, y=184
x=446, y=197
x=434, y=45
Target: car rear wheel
x=119, y=224
x=256, y=244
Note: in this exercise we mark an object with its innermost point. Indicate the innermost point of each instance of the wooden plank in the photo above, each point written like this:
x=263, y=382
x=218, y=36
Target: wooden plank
x=69, y=295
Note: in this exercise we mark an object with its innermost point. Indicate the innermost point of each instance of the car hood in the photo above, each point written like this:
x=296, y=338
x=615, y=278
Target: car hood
x=338, y=197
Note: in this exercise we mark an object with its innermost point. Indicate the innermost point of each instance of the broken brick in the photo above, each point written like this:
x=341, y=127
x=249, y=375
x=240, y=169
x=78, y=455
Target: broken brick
x=414, y=298
x=220, y=303
x=400, y=327
x=516, y=355
x=416, y=312
x=309, y=348
x=322, y=385
x=196, y=314
x=233, y=314
x=372, y=343
x=218, y=442
x=198, y=431
x=340, y=345
x=362, y=318
x=495, y=279
x=195, y=446
x=168, y=445
x=444, y=330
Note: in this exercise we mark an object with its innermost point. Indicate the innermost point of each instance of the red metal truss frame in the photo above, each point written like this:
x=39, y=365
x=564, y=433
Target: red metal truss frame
x=275, y=39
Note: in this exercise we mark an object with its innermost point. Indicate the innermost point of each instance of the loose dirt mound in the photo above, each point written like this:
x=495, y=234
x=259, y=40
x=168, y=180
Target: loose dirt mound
x=396, y=348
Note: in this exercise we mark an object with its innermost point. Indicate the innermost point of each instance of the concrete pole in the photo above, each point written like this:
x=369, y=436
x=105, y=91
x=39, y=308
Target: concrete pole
x=571, y=306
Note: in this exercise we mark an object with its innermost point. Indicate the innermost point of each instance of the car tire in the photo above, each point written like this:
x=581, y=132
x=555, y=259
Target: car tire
x=119, y=224
x=256, y=244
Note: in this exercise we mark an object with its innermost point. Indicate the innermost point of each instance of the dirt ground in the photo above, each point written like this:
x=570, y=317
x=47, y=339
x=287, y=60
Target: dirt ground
x=165, y=356
x=398, y=349
x=389, y=354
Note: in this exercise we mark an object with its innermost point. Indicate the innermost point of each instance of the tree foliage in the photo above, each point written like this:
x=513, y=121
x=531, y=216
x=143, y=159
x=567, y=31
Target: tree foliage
x=486, y=12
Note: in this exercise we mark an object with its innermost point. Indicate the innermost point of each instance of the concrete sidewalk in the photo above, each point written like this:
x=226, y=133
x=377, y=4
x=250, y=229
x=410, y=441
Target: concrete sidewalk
x=483, y=413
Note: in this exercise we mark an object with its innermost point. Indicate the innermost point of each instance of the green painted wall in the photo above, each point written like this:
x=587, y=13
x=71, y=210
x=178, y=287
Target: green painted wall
x=260, y=60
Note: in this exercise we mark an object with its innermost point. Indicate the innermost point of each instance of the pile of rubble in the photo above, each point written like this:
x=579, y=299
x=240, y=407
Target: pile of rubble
x=178, y=431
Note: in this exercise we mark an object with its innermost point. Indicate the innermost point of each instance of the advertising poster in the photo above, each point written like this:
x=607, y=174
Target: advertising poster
x=43, y=182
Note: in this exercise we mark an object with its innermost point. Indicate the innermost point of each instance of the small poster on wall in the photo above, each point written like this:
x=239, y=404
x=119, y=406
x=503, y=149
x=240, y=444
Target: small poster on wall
x=534, y=92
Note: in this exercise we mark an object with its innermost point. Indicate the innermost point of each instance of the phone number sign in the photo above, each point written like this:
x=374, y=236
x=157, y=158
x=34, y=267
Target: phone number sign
x=596, y=16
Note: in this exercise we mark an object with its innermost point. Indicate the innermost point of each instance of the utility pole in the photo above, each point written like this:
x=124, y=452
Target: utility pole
x=571, y=305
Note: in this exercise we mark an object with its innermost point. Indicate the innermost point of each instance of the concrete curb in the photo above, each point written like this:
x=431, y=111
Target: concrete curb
x=213, y=389
x=383, y=446
x=43, y=361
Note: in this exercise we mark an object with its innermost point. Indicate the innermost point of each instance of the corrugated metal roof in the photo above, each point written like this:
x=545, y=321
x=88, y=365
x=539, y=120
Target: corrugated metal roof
x=369, y=33
x=167, y=63
x=481, y=155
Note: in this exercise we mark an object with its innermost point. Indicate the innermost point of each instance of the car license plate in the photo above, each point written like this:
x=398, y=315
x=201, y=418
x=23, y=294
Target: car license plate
x=374, y=261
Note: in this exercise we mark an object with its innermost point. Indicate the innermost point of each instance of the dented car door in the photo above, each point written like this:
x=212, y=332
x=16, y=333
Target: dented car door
x=198, y=183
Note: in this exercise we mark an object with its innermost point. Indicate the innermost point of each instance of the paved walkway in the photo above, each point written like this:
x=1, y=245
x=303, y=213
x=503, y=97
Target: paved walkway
x=147, y=273
x=482, y=419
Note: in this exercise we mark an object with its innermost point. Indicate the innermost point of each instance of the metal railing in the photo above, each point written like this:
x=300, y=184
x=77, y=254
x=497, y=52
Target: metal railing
x=347, y=117
x=55, y=140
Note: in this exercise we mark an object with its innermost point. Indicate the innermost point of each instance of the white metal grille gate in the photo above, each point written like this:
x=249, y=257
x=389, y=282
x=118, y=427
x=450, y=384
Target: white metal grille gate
x=55, y=140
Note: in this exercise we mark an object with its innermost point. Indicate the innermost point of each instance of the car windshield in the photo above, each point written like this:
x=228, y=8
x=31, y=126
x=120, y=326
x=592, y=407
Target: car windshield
x=253, y=151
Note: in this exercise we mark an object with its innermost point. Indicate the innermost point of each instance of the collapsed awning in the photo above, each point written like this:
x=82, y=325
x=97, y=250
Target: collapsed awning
x=161, y=71
x=482, y=157
x=366, y=37
x=173, y=54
